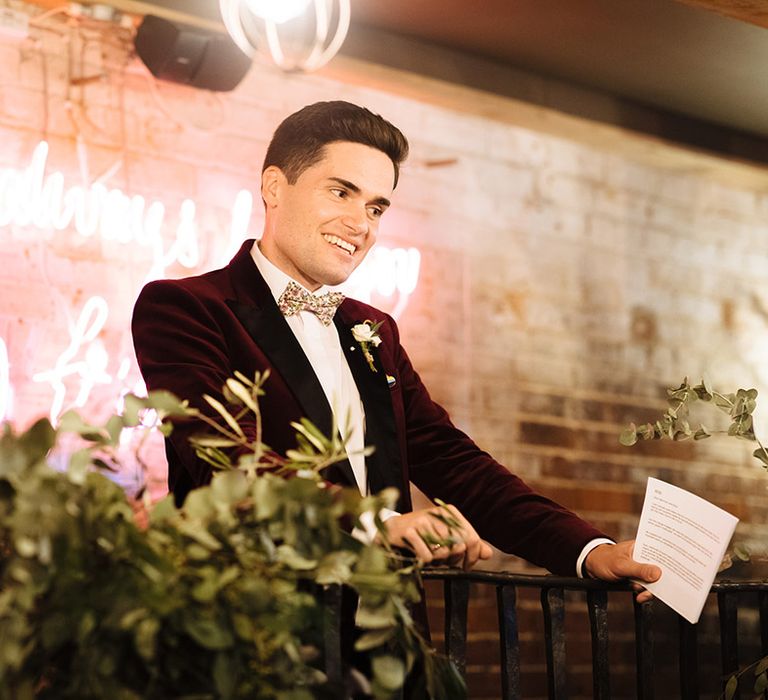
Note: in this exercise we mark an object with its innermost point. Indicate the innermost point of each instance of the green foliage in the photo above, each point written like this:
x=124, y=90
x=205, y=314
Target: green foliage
x=221, y=598
x=674, y=423
x=757, y=670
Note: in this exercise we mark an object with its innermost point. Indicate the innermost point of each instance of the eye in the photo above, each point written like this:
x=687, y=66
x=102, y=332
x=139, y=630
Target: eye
x=375, y=211
x=340, y=192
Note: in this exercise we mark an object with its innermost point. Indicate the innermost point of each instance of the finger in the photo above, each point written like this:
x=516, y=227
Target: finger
x=468, y=535
x=472, y=554
x=432, y=539
x=645, y=572
x=413, y=541
x=456, y=560
x=440, y=552
x=485, y=552
x=432, y=534
x=435, y=524
x=644, y=596
x=642, y=572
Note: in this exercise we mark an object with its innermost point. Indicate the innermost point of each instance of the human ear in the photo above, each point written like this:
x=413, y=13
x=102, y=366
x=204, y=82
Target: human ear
x=272, y=181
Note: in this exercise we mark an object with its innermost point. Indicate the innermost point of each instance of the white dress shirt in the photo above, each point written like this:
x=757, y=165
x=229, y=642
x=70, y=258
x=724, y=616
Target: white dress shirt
x=322, y=347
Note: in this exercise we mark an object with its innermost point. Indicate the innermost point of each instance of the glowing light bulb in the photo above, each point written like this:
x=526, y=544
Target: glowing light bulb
x=277, y=11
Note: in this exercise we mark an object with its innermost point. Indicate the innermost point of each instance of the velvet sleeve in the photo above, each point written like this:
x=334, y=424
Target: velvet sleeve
x=181, y=346
x=445, y=463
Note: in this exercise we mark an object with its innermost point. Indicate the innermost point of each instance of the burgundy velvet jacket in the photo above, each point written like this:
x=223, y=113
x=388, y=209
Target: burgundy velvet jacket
x=192, y=334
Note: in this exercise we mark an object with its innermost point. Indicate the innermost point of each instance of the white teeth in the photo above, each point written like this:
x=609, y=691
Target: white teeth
x=335, y=240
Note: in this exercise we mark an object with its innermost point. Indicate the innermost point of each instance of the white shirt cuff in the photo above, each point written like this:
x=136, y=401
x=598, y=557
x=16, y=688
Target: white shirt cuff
x=367, y=531
x=587, y=549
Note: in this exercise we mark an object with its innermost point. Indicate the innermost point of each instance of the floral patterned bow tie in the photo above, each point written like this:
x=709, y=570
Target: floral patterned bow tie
x=295, y=299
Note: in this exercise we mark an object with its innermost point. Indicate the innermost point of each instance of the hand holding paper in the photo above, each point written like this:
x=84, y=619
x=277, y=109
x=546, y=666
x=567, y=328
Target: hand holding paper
x=687, y=537
x=613, y=562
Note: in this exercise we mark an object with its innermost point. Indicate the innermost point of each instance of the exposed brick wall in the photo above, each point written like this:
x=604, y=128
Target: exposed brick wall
x=562, y=287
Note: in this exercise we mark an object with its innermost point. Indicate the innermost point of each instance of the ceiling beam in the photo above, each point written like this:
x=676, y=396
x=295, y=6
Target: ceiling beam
x=752, y=11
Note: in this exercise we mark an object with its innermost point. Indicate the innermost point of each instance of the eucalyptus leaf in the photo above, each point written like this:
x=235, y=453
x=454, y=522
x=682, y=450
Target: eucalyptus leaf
x=114, y=428
x=38, y=439
x=307, y=433
x=741, y=552
x=201, y=536
x=291, y=558
x=213, y=442
x=381, y=617
x=225, y=414
x=207, y=632
x=761, y=683
x=71, y=422
x=725, y=401
x=374, y=638
x=146, y=637
x=166, y=403
x=388, y=671
x=132, y=409
x=702, y=433
x=335, y=567
x=628, y=436
x=163, y=510
x=241, y=393
x=761, y=454
x=229, y=487
x=79, y=464
x=225, y=674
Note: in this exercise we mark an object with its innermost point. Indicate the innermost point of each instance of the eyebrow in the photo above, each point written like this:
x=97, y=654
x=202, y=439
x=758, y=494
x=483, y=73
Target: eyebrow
x=352, y=187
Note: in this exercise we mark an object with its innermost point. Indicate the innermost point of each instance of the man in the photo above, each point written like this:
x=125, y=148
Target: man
x=327, y=179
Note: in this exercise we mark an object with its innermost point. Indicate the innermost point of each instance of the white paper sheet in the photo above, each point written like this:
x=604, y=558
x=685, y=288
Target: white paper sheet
x=687, y=537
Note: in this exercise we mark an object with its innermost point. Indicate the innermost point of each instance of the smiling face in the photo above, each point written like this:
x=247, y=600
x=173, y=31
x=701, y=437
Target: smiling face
x=319, y=229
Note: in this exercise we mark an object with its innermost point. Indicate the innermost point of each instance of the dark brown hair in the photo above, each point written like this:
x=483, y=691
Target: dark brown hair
x=300, y=140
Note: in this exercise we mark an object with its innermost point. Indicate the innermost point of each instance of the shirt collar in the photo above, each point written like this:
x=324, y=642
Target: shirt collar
x=276, y=279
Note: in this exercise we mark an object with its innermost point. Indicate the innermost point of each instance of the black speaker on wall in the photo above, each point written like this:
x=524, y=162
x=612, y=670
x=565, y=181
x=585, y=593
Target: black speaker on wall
x=190, y=55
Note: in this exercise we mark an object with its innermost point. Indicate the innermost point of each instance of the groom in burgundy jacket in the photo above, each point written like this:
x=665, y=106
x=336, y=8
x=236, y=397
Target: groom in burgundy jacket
x=327, y=178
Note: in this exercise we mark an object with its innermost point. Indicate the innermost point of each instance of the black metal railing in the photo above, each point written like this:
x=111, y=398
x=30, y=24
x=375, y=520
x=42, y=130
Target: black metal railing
x=553, y=603
x=457, y=586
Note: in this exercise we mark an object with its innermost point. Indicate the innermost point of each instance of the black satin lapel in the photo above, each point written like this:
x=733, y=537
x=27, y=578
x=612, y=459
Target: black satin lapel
x=384, y=465
x=269, y=330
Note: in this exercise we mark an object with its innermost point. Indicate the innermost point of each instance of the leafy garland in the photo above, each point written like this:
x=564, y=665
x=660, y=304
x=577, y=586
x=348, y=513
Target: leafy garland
x=220, y=598
x=674, y=423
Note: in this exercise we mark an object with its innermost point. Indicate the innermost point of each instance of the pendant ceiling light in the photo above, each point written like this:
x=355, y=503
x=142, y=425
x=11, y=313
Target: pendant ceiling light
x=296, y=35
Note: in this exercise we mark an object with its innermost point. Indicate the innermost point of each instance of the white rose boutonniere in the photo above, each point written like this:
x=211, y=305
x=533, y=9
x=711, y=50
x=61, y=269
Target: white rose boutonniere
x=367, y=334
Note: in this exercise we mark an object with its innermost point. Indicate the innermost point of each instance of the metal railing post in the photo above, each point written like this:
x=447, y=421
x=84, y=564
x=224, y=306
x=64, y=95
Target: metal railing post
x=597, y=602
x=553, y=606
x=456, y=604
x=506, y=603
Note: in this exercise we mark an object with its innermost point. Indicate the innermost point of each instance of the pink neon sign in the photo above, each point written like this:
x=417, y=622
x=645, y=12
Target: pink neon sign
x=31, y=199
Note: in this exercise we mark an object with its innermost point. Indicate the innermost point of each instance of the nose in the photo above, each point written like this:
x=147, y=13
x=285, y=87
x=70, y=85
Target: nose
x=356, y=221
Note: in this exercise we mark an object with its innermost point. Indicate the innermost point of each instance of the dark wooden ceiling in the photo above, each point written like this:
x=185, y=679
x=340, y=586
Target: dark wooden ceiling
x=701, y=59
x=661, y=53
